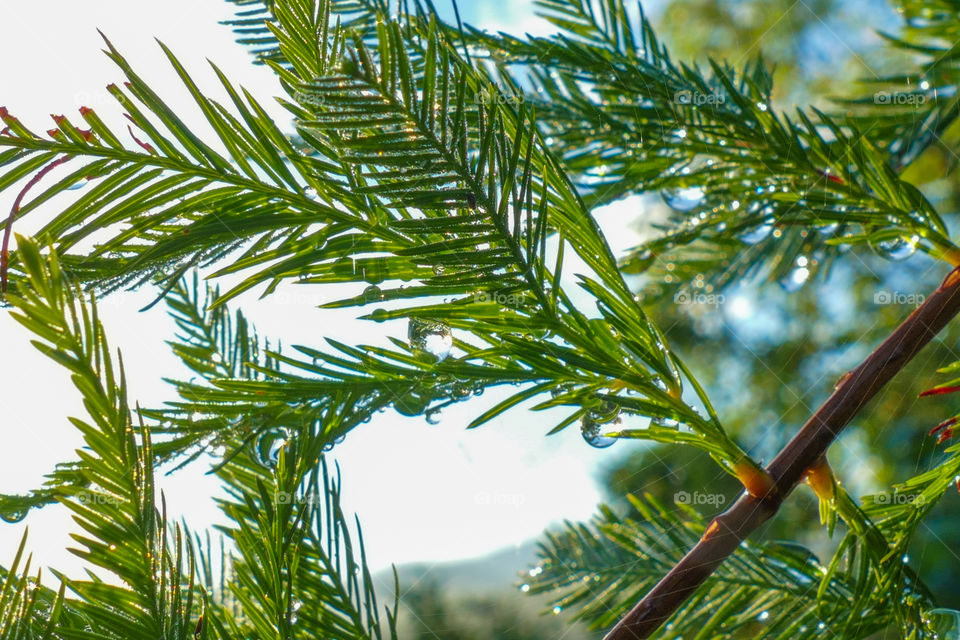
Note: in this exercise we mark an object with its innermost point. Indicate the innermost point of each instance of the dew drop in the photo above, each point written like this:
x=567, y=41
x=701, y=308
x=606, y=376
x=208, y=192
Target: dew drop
x=596, y=422
x=372, y=294
x=684, y=198
x=896, y=249
x=757, y=233
x=432, y=416
x=268, y=446
x=379, y=315
x=557, y=610
x=411, y=404
x=13, y=516
x=430, y=338
x=661, y=421
x=795, y=280
x=764, y=616
x=295, y=606
x=524, y=587
x=375, y=271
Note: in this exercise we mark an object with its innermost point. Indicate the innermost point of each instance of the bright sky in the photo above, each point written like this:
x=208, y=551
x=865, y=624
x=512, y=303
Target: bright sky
x=424, y=493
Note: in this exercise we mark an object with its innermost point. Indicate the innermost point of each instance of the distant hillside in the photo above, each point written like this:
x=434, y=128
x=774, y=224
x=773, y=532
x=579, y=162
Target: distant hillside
x=477, y=599
x=497, y=571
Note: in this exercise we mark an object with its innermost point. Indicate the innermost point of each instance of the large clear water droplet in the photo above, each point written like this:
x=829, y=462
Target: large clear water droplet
x=757, y=233
x=896, y=248
x=295, y=606
x=13, y=516
x=375, y=271
x=592, y=433
x=411, y=404
x=668, y=423
x=795, y=280
x=372, y=294
x=598, y=421
x=430, y=337
x=684, y=198
x=268, y=446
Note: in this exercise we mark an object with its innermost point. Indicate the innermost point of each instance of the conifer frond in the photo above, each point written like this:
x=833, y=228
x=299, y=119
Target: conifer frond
x=447, y=176
x=254, y=19
x=172, y=201
x=313, y=578
x=299, y=573
x=736, y=173
x=776, y=589
x=483, y=180
x=908, y=112
x=28, y=610
x=123, y=531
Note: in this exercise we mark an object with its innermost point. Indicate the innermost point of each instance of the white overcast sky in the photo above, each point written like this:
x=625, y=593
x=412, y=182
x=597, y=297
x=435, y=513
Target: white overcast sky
x=423, y=493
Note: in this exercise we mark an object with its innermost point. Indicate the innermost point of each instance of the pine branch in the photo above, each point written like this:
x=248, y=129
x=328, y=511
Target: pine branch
x=123, y=530
x=730, y=528
x=597, y=570
x=28, y=610
x=908, y=112
x=315, y=572
x=758, y=188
